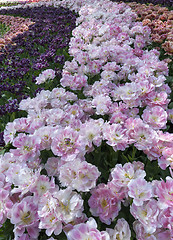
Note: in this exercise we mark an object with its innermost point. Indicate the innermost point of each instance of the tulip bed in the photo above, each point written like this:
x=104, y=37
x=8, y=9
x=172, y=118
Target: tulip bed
x=86, y=121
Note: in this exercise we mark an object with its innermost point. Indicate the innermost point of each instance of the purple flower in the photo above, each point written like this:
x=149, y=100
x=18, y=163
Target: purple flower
x=2, y=143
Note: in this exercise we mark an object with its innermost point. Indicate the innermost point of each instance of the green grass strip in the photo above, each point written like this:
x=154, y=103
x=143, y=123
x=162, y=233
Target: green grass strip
x=3, y=29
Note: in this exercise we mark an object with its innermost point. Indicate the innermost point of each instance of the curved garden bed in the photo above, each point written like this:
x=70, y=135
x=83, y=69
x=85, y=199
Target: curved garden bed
x=86, y=106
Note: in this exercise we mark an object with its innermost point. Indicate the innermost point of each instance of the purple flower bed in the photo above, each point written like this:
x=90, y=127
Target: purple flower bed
x=43, y=46
x=93, y=158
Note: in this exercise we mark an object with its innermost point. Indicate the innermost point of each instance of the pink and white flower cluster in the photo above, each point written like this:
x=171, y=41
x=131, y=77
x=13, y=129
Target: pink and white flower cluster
x=45, y=75
x=151, y=205
x=124, y=102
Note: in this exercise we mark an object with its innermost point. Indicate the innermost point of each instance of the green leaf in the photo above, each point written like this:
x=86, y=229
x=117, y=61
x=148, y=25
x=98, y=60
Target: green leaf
x=125, y=158
x=169, y=79
x=6, y=231
x=2, y=151
x=45, y=154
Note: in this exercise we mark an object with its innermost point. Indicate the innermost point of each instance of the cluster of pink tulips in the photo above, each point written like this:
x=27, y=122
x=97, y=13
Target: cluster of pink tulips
x=112, y=92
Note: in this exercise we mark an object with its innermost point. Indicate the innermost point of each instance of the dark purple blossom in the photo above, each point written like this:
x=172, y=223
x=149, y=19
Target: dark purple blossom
x=2, y=143
x=59, y=59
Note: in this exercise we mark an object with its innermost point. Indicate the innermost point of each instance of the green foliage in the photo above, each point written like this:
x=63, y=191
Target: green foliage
x=6, y=231
x=8, y=3
x=3, y=29
x=45, y=154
